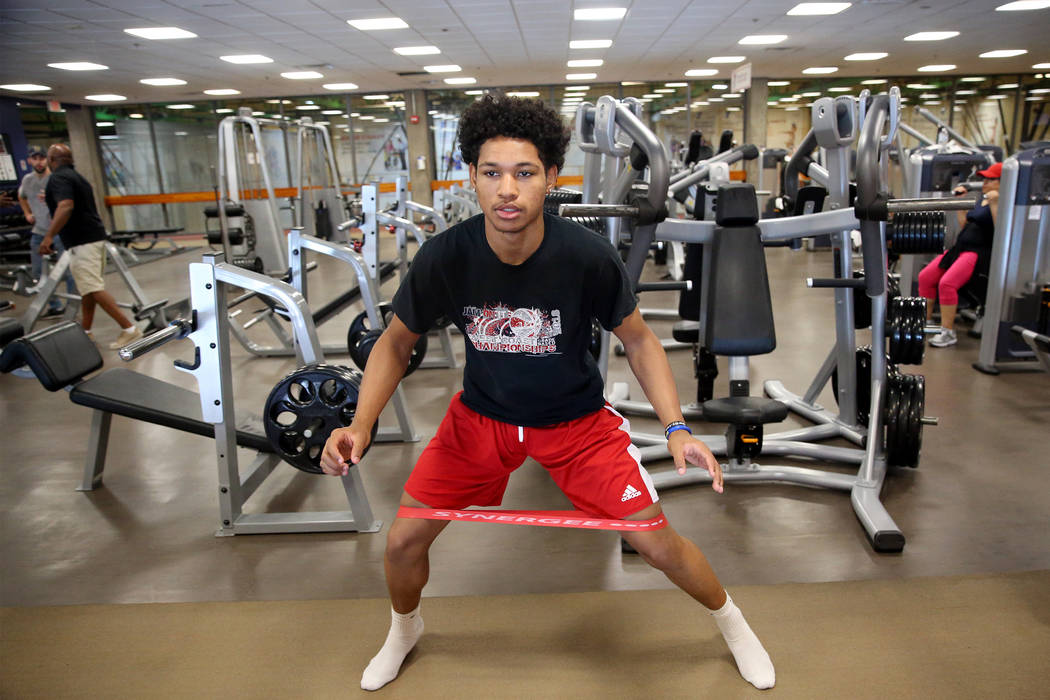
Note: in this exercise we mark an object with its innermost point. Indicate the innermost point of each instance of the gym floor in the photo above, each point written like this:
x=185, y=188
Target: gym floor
x=976, y=504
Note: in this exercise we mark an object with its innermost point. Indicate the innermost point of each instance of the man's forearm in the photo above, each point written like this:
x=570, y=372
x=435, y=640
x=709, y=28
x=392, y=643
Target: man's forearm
x=60, y=219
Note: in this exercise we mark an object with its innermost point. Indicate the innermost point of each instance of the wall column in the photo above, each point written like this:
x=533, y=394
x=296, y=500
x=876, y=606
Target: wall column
x=80, y=121
x=419, y=144
x=755, y=107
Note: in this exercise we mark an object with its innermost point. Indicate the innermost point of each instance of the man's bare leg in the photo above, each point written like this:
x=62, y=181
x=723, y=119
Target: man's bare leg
x=407, y=564
x=687, y=567
x=109, y=305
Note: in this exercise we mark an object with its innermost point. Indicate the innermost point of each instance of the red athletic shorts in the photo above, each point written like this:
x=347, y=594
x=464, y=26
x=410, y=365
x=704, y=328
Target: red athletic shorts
x=470, y=459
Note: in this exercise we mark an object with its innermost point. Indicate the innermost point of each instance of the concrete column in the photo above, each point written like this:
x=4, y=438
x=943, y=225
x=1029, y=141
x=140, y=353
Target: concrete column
x=755, y=107
x=80, y=121
x=420, y=143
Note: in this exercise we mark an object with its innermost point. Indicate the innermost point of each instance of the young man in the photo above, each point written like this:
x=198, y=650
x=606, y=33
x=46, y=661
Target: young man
x=34, y=208
x=523, y=287
x=75, y=218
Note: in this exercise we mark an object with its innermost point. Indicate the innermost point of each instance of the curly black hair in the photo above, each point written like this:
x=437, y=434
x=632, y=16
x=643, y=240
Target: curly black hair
x=516, y=118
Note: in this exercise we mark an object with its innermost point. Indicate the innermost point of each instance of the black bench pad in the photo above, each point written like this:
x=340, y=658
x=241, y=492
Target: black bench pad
x=742, y=410
x=10, y=329
x=59, y=356
x=135, y=395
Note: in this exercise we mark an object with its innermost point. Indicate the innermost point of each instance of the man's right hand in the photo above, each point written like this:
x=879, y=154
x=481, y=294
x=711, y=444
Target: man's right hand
x=343, y=448
x=30, y=218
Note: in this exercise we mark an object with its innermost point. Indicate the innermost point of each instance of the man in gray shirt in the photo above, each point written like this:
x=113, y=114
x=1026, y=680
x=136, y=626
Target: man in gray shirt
x=31, y=197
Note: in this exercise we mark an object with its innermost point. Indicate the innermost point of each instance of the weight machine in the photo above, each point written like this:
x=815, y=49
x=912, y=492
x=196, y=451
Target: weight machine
x=324, y=201
x=835, y=120
x=1019, y=276
x=318, y=396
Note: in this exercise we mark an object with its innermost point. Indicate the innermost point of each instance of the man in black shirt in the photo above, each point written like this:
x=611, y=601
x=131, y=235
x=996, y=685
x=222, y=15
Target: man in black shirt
x=523, y=288
x=74, y=217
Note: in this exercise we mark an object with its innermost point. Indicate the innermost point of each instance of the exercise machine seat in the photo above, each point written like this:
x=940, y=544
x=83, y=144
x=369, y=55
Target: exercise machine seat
x=62, y=355
x=136, y=395
x=59, y=356
x=744, y=410
x=686, y=332
x=10, y=329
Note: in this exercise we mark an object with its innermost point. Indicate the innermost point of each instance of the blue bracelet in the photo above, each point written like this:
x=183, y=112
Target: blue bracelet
x=677, y=425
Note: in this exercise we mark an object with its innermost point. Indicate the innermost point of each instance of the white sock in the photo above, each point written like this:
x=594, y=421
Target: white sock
x=751, y=657
x=405, y=631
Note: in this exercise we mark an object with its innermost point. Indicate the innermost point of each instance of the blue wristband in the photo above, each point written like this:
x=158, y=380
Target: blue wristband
x=676, y=426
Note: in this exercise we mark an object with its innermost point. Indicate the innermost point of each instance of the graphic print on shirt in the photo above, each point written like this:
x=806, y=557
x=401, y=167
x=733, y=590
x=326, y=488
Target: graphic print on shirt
x=500, y=328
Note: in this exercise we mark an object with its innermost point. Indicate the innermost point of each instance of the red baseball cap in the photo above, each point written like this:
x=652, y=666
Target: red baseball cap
x=993, y=172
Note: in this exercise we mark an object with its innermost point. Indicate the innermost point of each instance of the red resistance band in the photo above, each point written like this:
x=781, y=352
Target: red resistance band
x=539, y=518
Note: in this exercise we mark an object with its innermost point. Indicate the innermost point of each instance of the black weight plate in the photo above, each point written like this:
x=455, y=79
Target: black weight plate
x=902, y=438
x=361, y=322
x=304, y=407
x=919, y=410
x=889, y=416
x=360, y=346
x=419, y=351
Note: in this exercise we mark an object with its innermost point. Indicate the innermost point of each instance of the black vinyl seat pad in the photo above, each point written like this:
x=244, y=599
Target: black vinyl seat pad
x=742, y=410
x=135, y=395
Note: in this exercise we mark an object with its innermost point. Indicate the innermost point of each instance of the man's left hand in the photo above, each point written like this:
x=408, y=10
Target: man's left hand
x=686, y=448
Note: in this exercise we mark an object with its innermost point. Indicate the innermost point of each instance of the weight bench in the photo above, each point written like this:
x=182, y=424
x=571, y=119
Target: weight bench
x=63, y=355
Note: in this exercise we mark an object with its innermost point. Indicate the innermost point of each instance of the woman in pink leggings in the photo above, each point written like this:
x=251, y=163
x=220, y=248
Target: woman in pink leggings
x=972, y=251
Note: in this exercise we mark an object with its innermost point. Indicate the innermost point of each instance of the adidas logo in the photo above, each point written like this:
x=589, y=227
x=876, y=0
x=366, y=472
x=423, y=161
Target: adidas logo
x=629, y=493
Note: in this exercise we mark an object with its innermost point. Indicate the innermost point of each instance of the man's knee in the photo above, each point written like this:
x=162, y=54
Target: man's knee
x=661, y=549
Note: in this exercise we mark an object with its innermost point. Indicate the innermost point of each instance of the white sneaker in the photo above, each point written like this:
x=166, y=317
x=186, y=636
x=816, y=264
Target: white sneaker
x=945, y=338
x=126, y=336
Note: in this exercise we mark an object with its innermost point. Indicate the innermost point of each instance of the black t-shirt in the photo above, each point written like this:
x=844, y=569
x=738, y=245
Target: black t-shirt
x=976, y=236
x=527, y=327
x=84, y=225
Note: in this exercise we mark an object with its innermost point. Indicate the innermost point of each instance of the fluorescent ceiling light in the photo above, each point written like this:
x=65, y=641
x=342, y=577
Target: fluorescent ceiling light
x=1007, y=86
x=246, y=58
x=928, y=96
x=78, y=65
x=931, y=36
x=381, y=121
x=715, y=99
x=778, y=83
x=652, y=95
x=367, y=117
x=599, y=13
x=224, y=110
x=161, y=33
x=449, y=68
x=1023, y=5
x=676, y=85
x=726, y=59
x=819, y=70
x=732, y=109
x=719, y=86
x=372, y=25
x=818, y=8
x=162, y=82
x=340, y=86
x=524, y=93
x=581, y=76
x=731, y=95
x=973, y=79
x=664, y=90
x=103, y=123
x=870, y=56
x=1041, y=66
x=810, y=94
x=258, y=113
x=578, y=87
x=473, y=92
x=306, y=108
x=936, y=68
x=25, y=87
x=416, y=50
x=965, y=92
x=584, y=63
x=222, y=91
x=1003, y=53
x=105, y=98
x=331, y=111
x=136, y=115
x=627, y=83
x=461, y=81
x=180, y=106
x=302, y=75
x=759, y=39
x=700, y=72
x=997, y=97
x=1039, y=91
x=791, y=109
x=874, y=81
x=839, y=89
x=377, y=97
x=590, y=44
x=921, y=86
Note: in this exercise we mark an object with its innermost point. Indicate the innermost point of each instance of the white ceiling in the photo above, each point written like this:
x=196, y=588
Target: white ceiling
x=499, y=42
